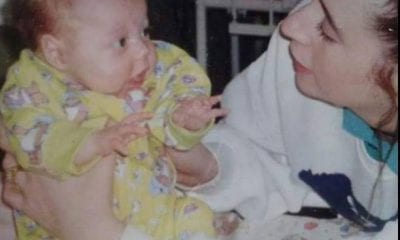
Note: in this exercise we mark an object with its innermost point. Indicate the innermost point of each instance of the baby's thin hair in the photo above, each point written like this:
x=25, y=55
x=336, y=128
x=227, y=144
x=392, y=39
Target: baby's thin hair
x=34, y=18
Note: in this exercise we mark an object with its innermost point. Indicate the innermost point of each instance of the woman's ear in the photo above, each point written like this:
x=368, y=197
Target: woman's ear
x=53, y=51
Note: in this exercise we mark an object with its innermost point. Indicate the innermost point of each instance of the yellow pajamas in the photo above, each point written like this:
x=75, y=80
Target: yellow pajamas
x=48, y=118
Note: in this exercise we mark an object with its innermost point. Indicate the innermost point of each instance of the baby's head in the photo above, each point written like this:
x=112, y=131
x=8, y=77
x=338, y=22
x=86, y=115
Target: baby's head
x=101, y=44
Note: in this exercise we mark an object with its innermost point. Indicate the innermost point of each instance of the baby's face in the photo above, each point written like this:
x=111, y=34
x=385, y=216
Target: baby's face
x=106, y=46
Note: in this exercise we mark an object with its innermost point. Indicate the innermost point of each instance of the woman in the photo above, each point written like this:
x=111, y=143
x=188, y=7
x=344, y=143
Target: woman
x=6, y=224
x=325, y=131
x=345, y=55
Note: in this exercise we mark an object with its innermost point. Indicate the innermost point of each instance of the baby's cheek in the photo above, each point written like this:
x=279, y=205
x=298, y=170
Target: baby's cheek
x=152, y=58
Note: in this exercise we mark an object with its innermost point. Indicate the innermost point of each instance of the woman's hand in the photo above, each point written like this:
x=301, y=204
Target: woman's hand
x=4, y=145
x=6, y=220
x=78, y=208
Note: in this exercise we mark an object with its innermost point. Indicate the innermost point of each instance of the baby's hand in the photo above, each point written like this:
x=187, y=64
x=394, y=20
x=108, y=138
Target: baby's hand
x=116, y=137
x=196, y=113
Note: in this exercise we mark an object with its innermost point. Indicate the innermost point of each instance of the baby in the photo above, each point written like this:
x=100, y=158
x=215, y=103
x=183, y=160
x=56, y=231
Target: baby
x=91, y=84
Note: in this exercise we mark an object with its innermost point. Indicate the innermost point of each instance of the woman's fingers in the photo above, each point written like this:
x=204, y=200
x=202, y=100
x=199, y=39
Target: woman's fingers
x=64, y=208
x=4, y=145
x=12, y=194
x=9, y=162
x=12, y=171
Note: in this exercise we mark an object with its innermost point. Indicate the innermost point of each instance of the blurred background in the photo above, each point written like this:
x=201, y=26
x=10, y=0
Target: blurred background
x=175, y=21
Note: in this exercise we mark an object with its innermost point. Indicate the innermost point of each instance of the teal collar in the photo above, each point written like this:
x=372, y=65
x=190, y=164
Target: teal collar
x=360, y=129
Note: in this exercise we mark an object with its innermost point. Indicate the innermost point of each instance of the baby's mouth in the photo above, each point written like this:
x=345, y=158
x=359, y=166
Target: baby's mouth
x=136, y=82
x=132, y=84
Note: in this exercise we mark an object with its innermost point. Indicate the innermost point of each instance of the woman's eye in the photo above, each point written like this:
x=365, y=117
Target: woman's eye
x=121, y=43
x=323, y=34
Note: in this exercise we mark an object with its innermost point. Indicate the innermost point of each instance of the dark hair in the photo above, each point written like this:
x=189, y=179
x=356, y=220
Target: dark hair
x=33, y=18
x=387, y=28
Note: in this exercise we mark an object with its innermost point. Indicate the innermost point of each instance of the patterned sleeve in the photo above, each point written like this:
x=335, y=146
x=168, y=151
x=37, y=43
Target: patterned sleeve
x=131, y=233
x=178, y=76
x=40, y=135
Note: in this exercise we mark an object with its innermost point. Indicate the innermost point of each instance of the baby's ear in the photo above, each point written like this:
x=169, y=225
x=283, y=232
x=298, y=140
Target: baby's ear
x=53, y=51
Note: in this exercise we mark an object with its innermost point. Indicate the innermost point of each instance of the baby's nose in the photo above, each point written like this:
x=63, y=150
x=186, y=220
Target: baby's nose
x=140, y=49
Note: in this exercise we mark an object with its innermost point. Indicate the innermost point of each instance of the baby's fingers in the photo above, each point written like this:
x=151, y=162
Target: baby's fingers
x=127, y=134
x=214, y=100
x=137, y=118
x=130, y=132
x=121, y=149
x=216, y=113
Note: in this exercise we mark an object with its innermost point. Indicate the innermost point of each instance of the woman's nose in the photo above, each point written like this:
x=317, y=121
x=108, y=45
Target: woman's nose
x=290, y=28
x=296, y=27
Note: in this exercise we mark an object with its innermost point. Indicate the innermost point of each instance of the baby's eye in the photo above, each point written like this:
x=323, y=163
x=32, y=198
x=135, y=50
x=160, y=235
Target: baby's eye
x=121, y=43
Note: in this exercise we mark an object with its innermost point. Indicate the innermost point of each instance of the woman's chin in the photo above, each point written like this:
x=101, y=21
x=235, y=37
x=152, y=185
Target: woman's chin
x=305, y=87
x=309, y=90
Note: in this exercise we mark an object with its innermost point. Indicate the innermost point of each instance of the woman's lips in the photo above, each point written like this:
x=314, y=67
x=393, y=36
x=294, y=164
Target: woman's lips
x=300, y=68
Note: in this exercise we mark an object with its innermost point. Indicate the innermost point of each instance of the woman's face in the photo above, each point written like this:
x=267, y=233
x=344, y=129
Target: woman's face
x=335, y=52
